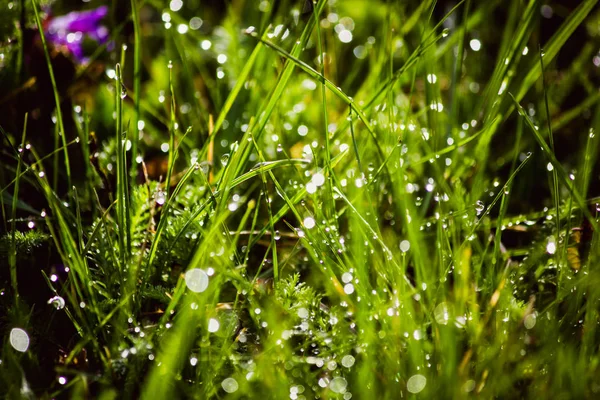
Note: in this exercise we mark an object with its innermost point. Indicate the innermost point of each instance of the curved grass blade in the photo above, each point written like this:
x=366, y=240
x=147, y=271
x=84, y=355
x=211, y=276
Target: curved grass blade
x=555, y=163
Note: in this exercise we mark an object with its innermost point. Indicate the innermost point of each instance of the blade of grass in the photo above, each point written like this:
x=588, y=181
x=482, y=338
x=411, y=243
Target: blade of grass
x=257, y=124
x=555, y=163
x=59, y=117
x=34, y=165
x=553, y=46
x=329, y=85
x=13, y=226
x=555, y=189
x=137, y=79
x=123, y=209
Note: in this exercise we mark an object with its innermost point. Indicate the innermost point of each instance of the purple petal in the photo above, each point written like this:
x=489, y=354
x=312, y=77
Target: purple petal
x=88, y=21
x=79, y=20
x=100, y=35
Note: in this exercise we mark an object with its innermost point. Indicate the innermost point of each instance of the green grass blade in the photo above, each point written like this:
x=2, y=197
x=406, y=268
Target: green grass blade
x=57, y=100
x=555, y=163
x=137, y=79
x=13, y=227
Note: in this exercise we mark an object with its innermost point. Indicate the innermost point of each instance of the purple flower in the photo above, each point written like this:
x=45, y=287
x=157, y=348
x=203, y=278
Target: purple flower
x=69, y=30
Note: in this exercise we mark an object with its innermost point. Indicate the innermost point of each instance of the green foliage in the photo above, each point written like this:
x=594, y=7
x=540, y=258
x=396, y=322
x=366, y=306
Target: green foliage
x=357, y=199
x=26, y=243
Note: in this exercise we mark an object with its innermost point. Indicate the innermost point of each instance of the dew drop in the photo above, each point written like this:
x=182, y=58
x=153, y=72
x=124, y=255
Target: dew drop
x=349, y=288
x=338, y=385
x=309, y=222
x=196, y=280
x=479, y=207
x=318, y=179
x=19, y=339
x=530, y=320
x=303, y=313
x=213, y=325
x=551, y=246
x=224, y=159
x=441, y=314
x=416, y=383
x=348, y=361
x=58, y=302
x=346, y=277
x=204, y=167
x=404, y=246
x=160, y=198
x=229, y=385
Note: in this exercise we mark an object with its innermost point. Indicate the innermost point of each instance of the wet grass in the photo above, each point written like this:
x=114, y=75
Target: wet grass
x=355, y=199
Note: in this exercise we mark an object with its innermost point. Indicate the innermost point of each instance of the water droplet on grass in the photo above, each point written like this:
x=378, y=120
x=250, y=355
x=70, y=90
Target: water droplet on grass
x=404, y=246
x=213, y=325
x=19, y=339
x=302, y=313
x=346, y=277
x=441, y=314
x=479, y=207
x=309, y=222
x=475, y=44
x=161, y=197
x=551, y=246
x=318, y=179
x=530, y=320
x=196, y=280
x=416, y=383
x=229, y=385
x=302, y=130
x=224, y=159
x=204, y=167
x=348, y=361
x=58, y=302
x=338, y=385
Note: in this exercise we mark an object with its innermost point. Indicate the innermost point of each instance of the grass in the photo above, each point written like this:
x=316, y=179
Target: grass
x=355, y=199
